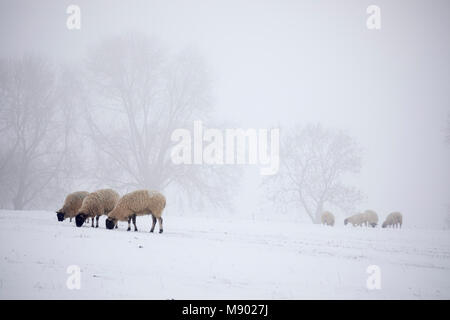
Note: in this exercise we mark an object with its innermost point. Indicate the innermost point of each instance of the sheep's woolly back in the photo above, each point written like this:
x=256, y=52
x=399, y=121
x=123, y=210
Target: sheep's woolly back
x=99, y=202
x=327, y=218
x=368, y=217
x=72, y=203
x=371, y=216
x=393, y=219
x=140, y=202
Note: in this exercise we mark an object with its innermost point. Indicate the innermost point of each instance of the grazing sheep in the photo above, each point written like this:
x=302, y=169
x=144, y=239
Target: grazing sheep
x=368, y=218
x=95, y=204
x=138, y=203
x=327, y=218
x=393, y=220
x=356, y=220
x=71, y=205
x=371, y=218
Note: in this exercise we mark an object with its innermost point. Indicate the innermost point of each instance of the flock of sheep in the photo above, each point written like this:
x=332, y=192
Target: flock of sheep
x=367, y=218
x=83, y=205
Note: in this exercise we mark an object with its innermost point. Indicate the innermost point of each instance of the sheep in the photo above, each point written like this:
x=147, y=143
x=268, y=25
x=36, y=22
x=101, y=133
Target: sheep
x=393, y=220
x=138, y=203
x=367, y=218
x=327, y=218
x=95, y=204
x=371, y=218
x=71, y=205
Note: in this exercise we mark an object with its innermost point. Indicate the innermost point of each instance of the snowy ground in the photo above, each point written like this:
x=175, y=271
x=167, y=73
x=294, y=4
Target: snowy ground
x=218, y=259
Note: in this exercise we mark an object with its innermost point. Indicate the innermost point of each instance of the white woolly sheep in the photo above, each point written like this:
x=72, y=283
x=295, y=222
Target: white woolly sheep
x=368, y=218
x=327, y=218
x=371, y=218
x=138, y=203
x=96, y=204
x=393, y=220
x=71, y=205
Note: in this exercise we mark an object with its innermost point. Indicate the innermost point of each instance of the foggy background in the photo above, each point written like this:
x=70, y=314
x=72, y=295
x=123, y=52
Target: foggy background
x=266, y=64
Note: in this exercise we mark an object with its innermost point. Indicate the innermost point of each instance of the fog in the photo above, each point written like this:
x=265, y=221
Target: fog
x=267, y=64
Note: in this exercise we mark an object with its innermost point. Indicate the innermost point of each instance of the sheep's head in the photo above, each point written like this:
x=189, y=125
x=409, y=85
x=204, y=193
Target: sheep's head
x=80, y=219
x=60, y=215
x=345, y=221
x=110, y=223
x=373, y=224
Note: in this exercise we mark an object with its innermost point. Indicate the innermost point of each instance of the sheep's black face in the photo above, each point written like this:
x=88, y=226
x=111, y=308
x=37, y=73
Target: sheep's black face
x=80, y=219
x=60, y=216
x=110, y=223
x=373, y=225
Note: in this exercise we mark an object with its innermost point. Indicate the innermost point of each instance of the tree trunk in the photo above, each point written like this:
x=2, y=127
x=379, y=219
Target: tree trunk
x=318, y=214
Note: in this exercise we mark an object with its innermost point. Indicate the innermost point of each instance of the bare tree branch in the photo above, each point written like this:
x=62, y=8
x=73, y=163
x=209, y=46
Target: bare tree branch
x=149, y=94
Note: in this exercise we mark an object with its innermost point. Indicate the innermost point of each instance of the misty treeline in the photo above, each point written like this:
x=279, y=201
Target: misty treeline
x=107, y=122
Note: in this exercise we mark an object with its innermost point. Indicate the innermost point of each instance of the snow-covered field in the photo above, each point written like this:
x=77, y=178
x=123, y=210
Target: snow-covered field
x=203, y=258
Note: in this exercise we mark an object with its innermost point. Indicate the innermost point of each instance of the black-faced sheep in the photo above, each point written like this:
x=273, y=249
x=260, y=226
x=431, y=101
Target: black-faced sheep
x=368, y=218
x=327, y=218
x=71, y=205
x=393, y=220
x=96, y=204
x=138, y=203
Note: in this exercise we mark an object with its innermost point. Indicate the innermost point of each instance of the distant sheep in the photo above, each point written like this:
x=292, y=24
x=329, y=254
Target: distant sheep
x=356, y=220
x=368, y=218
x=393, y=220
x=96, y=204
x=327, y=218
x=71, y=205
x=138, y=203
x=371, y=218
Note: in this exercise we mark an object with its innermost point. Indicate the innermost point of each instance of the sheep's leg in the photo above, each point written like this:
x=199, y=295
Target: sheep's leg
x=70, y=220
x=129, y=227
x=160, y=225
x=134, y=222
x=96, y=224
x=153, y=223
x=92, y=220
x=117, y=224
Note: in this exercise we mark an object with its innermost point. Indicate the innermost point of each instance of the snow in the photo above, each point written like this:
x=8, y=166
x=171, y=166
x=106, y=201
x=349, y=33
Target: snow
x=217, y=258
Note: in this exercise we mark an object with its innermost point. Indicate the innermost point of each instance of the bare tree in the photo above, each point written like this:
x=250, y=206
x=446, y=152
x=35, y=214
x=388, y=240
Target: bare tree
x=34, y=132
x=314, y=161
x=141, y=93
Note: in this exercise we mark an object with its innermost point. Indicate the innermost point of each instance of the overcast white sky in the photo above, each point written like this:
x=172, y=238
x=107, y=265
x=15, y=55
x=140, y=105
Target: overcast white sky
x=286, y=62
